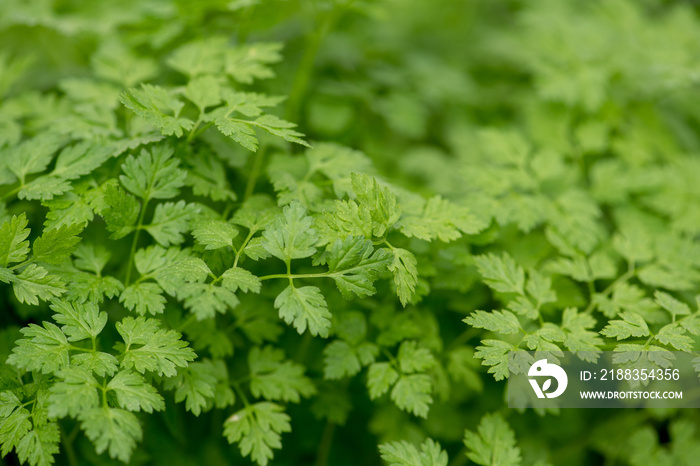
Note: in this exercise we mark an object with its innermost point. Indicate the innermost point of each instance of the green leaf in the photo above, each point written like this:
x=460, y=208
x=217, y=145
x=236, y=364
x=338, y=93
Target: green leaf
x=202, y=385
x=337, y=163
x=170, y=221
x=378, y=200
x=340, y=360
x=502, y=273
x=273, y=378
x=625, y=297
x=77, y=391
x=72, y=163
x=631, y=325
x=155, y=105
x=495, y=354
x=248, y=62
x=43, y=349
x=239, y=131
x=257, y=428
x=237, y=278
x=256, y=213
x=204, y=300
x=281, y=128
x=304, y=307
x=44, y=188
x=493, y=444
x=404, y=268
x=57, y=244
x=214, y=234
x=33, y=155
x=674, y=335
x=15, y=424
x=291, y=235
x=402, y=453
x=116, y=62
x=195, y=385
x=255, y=249
x=143, y=298
x=91, y=257
x=40, y=445
x=88, y=287
x=671, y=304
x=99, y=363
x=346, y=219
x=504, y=322
x=203, y=56
x=540, y=288
x=203, y=91
x=147, y=347
x=113, y=430
x=414, y=359
x=443, y=220
x=14, y=246
x=157, y=262
x=35, y=283
x=121, y=212
x=250, y=104
x=412, y=394
x=153, y=174
x=380, y=377
x=579, y=337
x=355, y=265
x=207, y=177
x=134, y=393
x=79, y=321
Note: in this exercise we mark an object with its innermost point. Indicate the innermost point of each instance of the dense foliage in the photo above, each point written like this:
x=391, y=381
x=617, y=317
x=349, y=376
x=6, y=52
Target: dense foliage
x=309, y=232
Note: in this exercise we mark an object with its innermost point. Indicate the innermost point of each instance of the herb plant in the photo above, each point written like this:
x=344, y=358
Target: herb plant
x=309, y=232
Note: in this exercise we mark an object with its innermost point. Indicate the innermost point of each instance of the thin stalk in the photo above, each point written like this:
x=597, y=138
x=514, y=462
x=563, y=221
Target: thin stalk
x=296, y=275
x=460, y=459
x=191, y=136
x=621, y=279
x=240, y=250
x=303, y=75
x=13, y=192
x=258, y=159
x=324, y=447
x=237, y=387
x=135, y=242
x=67, y=441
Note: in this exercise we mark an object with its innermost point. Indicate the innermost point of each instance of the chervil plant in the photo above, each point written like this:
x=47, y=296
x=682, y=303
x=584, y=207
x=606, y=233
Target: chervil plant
x=280, y=232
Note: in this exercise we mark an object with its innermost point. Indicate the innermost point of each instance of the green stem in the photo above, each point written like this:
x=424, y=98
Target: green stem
x=22, y=264
x=135, y=241
x=67, y=441
x=77, y=348
x=245, y=243
x=460, y=459
x=391, y=358
x=191, y=136
x=296, y=275
x=104, y=394
x=621, y=279
x=13, y=192
x=303, y=347
x=241, y=394
x=324, y=447
x=255, y=172
x=186, y=323
x=306, y=65
x=464, y=337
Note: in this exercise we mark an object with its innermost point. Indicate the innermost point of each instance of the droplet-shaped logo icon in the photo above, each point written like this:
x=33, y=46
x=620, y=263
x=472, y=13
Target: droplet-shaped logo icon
x=542, y=368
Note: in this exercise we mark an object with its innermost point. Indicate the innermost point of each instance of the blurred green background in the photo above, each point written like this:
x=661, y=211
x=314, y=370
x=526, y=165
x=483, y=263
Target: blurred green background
x=446, y=97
